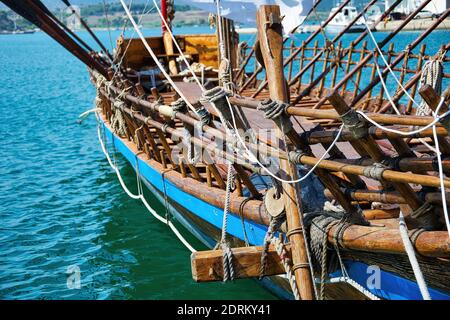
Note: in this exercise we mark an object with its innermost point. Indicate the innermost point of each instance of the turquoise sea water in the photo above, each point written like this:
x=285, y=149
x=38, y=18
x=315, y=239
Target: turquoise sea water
x=61, y=204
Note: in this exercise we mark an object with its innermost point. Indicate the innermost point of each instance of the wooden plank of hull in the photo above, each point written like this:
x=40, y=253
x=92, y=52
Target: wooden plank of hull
x=208, y=265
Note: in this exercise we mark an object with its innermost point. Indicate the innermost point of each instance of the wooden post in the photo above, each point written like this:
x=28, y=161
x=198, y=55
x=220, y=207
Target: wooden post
x=371, y=147
x=167, y=40
x=208, y=265
x=432, y=99
x=271, y=42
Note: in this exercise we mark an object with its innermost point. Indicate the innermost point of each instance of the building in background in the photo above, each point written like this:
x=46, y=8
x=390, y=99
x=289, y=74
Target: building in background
x=408, y=6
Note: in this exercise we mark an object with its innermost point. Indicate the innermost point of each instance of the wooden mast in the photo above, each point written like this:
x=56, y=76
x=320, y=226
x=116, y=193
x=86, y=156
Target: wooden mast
x=270, y=36
x=167, y=39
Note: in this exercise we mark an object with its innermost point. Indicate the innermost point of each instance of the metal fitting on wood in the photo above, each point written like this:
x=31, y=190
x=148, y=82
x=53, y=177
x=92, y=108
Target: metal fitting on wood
x=375, y=171
x=179, y=106
x=295, y=156
x=355, y=124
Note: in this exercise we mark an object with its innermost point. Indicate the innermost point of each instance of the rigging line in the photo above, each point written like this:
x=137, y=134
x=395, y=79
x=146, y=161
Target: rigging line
x=387, y=65
x=178, y=46
x=355, y=285
x=253, y=158
x=219, y=29
x=391, y=102
x=126, y=21
x=132, y=35
x=408, y=133
x=155, y=59
x=88, y=29
x=140, y=196
x=412, y=257
x=107, y=23
x=437, y=151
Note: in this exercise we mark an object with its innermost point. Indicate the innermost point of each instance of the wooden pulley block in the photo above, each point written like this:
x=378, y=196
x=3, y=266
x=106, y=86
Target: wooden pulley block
x=274, y=206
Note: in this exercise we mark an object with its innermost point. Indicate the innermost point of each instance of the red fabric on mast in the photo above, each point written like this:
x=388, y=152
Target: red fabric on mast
x=164, y=14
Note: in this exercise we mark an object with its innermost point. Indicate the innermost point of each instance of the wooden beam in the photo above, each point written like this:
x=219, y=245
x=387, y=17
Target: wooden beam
x=268, y=20
x=208, y=265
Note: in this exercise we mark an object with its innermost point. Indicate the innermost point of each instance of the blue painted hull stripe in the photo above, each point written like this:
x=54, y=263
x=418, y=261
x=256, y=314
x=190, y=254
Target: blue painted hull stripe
x=393, y=286
x=202, y=209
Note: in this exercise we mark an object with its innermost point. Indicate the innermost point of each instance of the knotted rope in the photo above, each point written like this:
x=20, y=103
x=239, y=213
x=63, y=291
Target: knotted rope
x=228, y=270
x=431, y=75
x=274, y=225
x=283, y=254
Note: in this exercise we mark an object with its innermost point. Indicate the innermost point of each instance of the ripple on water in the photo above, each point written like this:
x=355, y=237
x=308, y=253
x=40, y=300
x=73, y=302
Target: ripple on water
x=62, y=204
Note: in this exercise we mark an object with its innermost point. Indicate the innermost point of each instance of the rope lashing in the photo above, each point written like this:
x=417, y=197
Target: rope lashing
x=225, y=75
x=137, y=141
x=179, y=106
x=205, y=116
x=323, y=261
x=276, y=111
x=354, y=123
x=274, y=225
x=295, y=156
x=283, y=254
x=414, y=235
x=412, y=258
x=375, y=171
x=426, y=216
x=217, y=96
x=118, y=123
x=431, y=75
x=228, y=270
x=318, y=234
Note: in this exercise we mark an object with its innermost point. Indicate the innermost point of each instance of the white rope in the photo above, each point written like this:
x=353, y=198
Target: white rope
x=281, y=251
x=140, y=196
x=355, y=285
x=412, y=257
x=227, y=202
x=387, y=66
x=253, y=158
x=347, y=279
x=178, y=46
x=408, y=133
x=437, y=150
x=155, y=58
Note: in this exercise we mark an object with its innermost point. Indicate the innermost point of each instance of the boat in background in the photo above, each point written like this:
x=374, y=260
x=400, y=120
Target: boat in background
x=342, y=19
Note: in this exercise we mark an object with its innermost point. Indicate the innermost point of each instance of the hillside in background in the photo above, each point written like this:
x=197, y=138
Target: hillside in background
x=93, y=12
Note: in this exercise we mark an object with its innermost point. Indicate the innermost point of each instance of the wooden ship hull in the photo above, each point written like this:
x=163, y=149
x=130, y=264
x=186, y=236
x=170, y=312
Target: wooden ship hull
x=187, y=203
x=318, y=210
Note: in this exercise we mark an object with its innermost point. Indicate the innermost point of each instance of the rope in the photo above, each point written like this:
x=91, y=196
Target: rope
x=118, y=123
x=274, y=225
x=155, y=58
x=380, y=53
x=431, y=75
x=228, y=270
x=253, y=158
x=412, y=258
x=282, y=253
x=140, y=196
